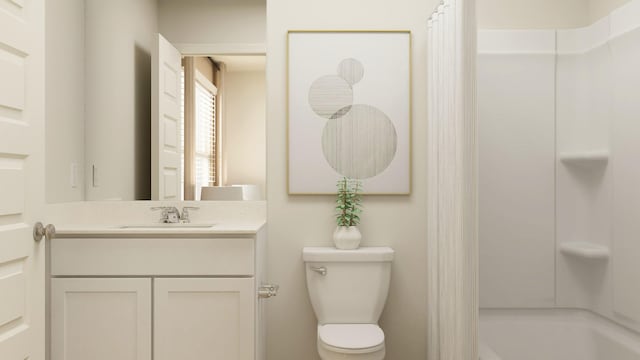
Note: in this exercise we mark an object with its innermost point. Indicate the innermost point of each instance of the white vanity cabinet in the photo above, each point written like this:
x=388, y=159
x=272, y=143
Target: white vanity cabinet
x=204, y=318
x=101, y=319
x=157, y=298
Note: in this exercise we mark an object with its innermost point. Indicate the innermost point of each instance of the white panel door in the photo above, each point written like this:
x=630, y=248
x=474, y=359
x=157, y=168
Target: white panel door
x=165, y=121
x=22, y=286
x=100, y=319
x=206, y=319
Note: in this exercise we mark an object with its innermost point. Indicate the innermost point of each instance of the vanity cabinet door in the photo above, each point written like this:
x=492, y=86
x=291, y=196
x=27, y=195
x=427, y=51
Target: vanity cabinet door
x=100, y=319
x=204, y=318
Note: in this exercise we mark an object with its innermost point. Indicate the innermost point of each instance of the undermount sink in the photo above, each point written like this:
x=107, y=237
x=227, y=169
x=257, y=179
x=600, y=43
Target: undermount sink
x=168, y=226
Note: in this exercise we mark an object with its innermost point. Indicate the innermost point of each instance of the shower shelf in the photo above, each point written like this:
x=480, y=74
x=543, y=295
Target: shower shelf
x=585, y=159
x=585, y=250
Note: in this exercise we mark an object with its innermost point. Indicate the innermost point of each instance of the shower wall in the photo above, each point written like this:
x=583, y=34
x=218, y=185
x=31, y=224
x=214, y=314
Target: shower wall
x=559, y=138
x=625, y=51
x=516, y=77
x=584, y=196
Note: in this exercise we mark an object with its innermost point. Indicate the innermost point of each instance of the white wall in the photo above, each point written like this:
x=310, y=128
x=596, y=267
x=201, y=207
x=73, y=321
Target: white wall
x=119, y=38
x=516, y=136
x=533, y=14
x=65, y=100
x=626, y=170
x=212, y=21
x=298, y=221
x=584, y=83
x=597, y=110
x=244, y=138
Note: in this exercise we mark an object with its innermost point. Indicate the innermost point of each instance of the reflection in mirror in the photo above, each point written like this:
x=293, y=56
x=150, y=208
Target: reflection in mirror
x=106, y=135
x=222, y=129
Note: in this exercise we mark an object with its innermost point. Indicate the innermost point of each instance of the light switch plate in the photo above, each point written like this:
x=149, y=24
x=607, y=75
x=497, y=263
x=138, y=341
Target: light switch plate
x=74, y=175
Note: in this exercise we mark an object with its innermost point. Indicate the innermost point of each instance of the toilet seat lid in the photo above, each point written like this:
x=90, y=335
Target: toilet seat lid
x=351, y=336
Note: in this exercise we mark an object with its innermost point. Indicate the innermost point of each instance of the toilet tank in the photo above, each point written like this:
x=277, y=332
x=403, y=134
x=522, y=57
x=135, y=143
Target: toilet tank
x=348, y=286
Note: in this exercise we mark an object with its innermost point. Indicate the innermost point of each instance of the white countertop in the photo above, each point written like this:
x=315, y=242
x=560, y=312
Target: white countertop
x=224, y=228
x=96, y=219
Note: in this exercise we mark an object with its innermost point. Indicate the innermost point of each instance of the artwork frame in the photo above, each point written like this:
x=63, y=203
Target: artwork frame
x=349, y=110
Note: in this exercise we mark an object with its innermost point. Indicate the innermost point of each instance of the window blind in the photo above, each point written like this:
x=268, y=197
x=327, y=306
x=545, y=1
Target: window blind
x=205, y=137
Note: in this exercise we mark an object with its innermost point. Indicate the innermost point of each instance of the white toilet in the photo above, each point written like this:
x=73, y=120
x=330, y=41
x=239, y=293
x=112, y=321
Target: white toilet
x=348, y=290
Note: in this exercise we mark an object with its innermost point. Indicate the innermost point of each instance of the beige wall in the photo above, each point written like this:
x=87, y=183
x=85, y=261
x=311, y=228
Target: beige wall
x=298, y=221
x=601, y=8
x=212, y=21
x=533, y=14
x=98, y=71
x=244, y=137
x=119, y=39
x=65, y=100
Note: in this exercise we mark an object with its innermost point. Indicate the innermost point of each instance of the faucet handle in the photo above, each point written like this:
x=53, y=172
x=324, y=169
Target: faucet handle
x=166, y=212
x=185, y=213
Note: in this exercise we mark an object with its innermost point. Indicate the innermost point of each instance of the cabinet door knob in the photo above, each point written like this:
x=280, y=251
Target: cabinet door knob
x=40, y=231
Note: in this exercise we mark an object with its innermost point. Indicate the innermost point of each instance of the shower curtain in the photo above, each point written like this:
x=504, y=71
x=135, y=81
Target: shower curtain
x=452, y=193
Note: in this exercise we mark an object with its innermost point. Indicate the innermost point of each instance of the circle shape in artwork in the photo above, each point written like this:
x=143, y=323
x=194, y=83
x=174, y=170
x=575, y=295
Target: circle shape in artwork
x=361, y=143
x=330, y=95
x=351, y=70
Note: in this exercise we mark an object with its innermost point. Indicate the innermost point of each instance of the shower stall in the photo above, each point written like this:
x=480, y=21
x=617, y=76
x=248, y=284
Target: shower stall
x=559, y=191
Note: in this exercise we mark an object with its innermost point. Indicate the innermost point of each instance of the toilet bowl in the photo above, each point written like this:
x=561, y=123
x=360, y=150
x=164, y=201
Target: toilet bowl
x=351, y=341
x=348, y=290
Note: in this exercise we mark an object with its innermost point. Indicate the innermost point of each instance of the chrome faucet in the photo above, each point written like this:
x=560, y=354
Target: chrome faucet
x=171, y=214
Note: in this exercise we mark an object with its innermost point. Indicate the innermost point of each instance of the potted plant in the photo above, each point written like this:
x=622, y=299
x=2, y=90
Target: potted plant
x=348, y=207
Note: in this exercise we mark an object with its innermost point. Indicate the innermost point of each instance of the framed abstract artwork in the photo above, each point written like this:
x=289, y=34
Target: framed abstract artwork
x=349, y=110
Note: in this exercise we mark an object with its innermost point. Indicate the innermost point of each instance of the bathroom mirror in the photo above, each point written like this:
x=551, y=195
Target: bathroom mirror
x=101, y=113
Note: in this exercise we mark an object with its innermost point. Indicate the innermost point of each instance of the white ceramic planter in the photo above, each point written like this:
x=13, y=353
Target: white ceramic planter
x=347, y=237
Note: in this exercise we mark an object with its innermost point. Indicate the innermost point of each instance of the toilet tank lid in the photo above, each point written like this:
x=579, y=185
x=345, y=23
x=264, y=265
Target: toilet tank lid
x=363, y=254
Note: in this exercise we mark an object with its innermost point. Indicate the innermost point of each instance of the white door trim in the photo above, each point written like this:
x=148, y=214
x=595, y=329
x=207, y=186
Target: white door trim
x=222, y=49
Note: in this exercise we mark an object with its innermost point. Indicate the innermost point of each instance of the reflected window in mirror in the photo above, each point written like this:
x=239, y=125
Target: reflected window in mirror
x=200, y=125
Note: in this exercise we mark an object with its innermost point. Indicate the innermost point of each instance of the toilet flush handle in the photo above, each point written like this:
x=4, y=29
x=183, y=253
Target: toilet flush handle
x=320, y=270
